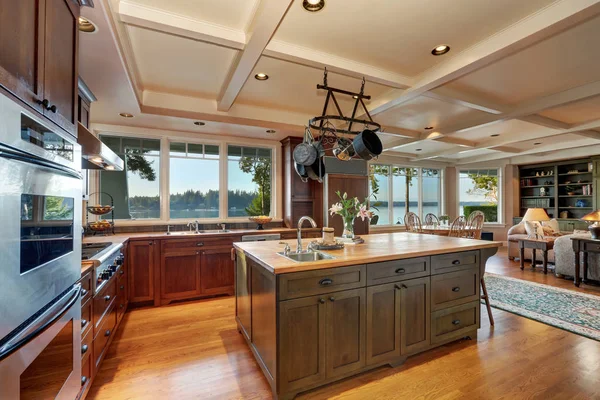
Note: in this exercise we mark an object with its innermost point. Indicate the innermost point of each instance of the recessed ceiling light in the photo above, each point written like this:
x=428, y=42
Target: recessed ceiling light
x=199, y=123
x=537, y=143
x=428, y=128
x=418, y=149
x=495, y=135
x=261, y=76
x=441, y=49
x=271, y=131
x=97, y=159
x=126, y=115
x=109, y=167
x=313, y=5
x=87, y=26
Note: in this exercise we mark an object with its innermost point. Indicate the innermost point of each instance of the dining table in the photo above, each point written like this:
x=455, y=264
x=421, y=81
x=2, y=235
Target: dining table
x=443, y=230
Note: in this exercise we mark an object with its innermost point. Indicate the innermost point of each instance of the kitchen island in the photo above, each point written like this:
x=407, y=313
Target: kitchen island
x=316, y=322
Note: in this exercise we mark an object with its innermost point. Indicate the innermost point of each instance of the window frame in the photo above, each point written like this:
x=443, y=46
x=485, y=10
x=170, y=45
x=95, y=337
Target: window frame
x=390, y=199
x=168, y=137
x=500, y=221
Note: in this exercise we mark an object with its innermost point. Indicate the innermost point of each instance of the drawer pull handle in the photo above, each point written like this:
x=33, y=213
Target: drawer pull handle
x=83, y=380
x=199, y=244
x=400, y=271
x=84, y=349
x=84, y=322
x=121, y=272
x=107, y=333
x=326, y=282
x=403, y=286
x=106, y=298
x=456, y=289
x=122, y=287
x=83, y=292
x=322, y=301
x=456, y=322
x=456, y=262
x=150, y=243
x=332, y=298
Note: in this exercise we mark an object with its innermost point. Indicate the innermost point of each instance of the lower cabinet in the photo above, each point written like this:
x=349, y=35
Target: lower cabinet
x=321, y=337
x=143, y=259
x=415, y=311
x=216, y=271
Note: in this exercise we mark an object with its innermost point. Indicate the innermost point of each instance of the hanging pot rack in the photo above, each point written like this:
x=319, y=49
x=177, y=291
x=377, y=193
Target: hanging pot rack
x=320, y=123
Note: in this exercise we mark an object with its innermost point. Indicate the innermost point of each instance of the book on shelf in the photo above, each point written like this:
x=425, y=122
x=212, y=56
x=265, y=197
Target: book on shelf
x=535, y=203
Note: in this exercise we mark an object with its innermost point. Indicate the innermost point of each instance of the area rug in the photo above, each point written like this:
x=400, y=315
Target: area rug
x=572, y=311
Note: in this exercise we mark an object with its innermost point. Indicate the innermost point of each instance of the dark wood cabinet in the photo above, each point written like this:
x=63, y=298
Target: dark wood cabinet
x=143, y=262
x=383, y=323
x=299, y=198
x=38, y=56
x=243, y=305
x=302, y=330
x=216, y=271
x=179, y=275
x=415, y=315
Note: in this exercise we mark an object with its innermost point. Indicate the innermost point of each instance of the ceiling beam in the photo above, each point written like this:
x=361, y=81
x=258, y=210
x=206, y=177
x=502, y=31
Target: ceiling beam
x=557, y=17
x=269, y=15
x=506, y=149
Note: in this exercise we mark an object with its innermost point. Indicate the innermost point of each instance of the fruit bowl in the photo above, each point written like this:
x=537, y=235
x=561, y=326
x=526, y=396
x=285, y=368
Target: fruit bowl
x=100, y=226
x=260, y=221
x=100, y=210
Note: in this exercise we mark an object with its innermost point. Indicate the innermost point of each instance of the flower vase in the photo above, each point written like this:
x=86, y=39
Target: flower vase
x=348, y=228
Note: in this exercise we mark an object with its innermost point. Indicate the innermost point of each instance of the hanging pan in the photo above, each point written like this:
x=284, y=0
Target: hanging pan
x=317, y=170
x=305, y=153
x=301, y=171
x=367, y=144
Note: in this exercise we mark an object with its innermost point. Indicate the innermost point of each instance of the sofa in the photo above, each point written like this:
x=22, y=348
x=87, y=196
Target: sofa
x=518, y=232
x=565, y=258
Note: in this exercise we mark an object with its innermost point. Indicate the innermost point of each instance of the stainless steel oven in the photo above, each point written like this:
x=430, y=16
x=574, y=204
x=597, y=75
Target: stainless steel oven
x=40, y=243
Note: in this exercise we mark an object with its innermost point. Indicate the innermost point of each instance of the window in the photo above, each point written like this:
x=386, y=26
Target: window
x=193, y=180
x=135, y=191
x=249, y=179
x=479, y=190
x=398, y=190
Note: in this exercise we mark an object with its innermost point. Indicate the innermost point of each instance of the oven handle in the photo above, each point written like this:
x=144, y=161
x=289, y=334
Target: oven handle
x=33, y=330
x=39, y=162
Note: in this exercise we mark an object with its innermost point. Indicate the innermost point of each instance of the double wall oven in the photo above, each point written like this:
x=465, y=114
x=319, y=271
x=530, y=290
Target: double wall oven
x=40, y=249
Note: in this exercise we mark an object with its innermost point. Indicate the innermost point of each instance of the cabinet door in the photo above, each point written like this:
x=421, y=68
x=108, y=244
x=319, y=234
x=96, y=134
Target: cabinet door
x=60, y=62
x=217, y=271
x=383, y=323
x=302, y=342
x=346, y=331
x=22, y=49
x=180, y=274
x=415, y=318
x=142, y=269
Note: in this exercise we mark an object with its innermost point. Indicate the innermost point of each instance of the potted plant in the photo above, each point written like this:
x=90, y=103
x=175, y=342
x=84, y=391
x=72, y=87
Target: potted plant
x=570, y=190
x=349, y=208
x=444, y=219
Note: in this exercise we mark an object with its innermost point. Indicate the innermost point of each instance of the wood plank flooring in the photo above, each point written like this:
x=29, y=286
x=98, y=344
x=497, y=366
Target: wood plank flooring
x=193, y=351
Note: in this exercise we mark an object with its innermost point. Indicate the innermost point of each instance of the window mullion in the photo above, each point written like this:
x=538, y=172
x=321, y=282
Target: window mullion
x=223, y=182
x=391, y=195
x=164, y=168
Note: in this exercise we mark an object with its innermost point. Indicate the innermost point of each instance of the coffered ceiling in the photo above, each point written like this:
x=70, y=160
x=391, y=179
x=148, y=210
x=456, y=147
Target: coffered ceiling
x=521, y=77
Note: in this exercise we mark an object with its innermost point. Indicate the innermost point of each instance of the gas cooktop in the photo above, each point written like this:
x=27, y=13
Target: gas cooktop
x=89, y=250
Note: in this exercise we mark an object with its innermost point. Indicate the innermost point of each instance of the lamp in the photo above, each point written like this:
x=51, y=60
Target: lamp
x=536, y=215
x=594, y=228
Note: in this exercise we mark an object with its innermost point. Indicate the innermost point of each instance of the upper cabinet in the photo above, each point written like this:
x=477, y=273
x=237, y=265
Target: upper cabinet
x=38, y=56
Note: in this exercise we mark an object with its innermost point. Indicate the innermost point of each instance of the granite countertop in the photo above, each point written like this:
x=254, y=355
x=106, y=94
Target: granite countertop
x=377, y=248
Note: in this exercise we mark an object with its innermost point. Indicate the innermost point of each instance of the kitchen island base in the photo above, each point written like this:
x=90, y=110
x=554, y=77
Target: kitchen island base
x=310, y=328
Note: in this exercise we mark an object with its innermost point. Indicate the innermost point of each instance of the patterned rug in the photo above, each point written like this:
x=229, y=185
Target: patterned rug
x=572, y=311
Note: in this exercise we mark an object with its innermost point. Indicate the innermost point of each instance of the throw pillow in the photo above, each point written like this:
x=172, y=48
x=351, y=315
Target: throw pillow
x=518, y=229
x=552, y=224
x=533, y=228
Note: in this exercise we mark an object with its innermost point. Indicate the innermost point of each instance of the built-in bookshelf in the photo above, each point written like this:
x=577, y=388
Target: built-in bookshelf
x=566, y=190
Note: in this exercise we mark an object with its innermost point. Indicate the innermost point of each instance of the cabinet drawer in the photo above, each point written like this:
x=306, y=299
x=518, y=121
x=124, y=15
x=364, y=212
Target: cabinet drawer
x=454, y=262
x=102, y=301
x=86, y=287
x=454, y=288
x=86, y=374
x=591, y=247
x=86, y=345
x=121, y=296
x=197, y=243
x=105, y=332
x=86, y=317
x=397, y=270
x=310, y=283
x=455, y=322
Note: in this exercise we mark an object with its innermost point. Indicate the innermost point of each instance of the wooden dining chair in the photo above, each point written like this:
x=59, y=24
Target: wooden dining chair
x=457, y=229
x=407, y=216
x=475, y=226
x=473, y=215
x=431, y=219
x=413, y=223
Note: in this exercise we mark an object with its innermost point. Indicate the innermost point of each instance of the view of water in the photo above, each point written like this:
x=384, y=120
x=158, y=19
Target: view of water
x=185, y=214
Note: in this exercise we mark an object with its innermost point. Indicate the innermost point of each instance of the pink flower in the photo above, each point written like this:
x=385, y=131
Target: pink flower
x=364, y=213
x=336, y=208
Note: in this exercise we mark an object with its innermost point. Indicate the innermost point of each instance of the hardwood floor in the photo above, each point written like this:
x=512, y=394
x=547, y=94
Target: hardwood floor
x=193, y=351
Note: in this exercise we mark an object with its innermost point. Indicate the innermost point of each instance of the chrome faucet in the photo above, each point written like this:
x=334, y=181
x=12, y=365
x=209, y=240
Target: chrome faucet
x=195, y=225
x=223, y=227
x=300, y=222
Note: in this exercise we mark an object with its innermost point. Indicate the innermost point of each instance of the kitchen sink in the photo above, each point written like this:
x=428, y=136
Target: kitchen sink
x=307, y=256
x=188, y=233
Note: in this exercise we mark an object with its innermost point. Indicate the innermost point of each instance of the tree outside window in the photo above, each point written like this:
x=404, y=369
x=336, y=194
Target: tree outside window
x=479, y=191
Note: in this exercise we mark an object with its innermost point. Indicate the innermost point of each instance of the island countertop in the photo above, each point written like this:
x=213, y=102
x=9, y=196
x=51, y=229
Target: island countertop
x=376, y=248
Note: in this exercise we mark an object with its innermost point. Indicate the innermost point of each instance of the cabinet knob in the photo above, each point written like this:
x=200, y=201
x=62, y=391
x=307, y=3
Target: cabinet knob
x=44, y=103
x=52, y=108
x=83, y=380
x=121, y=272
x=400, y=271
x=150, y=243
x=325, y=281
x=456, y=322
x=107, y=333
x=84, y=349
x=332, y=298
x=106, y=298
x=199, y=244
x=122, y=287
x=456, y=289
x=83, y=292
x=84, y=322
x=456, y=262
x=322, y=301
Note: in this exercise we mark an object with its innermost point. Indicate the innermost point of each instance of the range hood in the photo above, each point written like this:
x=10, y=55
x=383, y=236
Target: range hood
x=95, y=154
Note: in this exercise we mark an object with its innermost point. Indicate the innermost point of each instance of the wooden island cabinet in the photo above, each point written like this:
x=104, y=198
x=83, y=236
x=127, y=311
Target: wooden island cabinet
x=312, y=323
